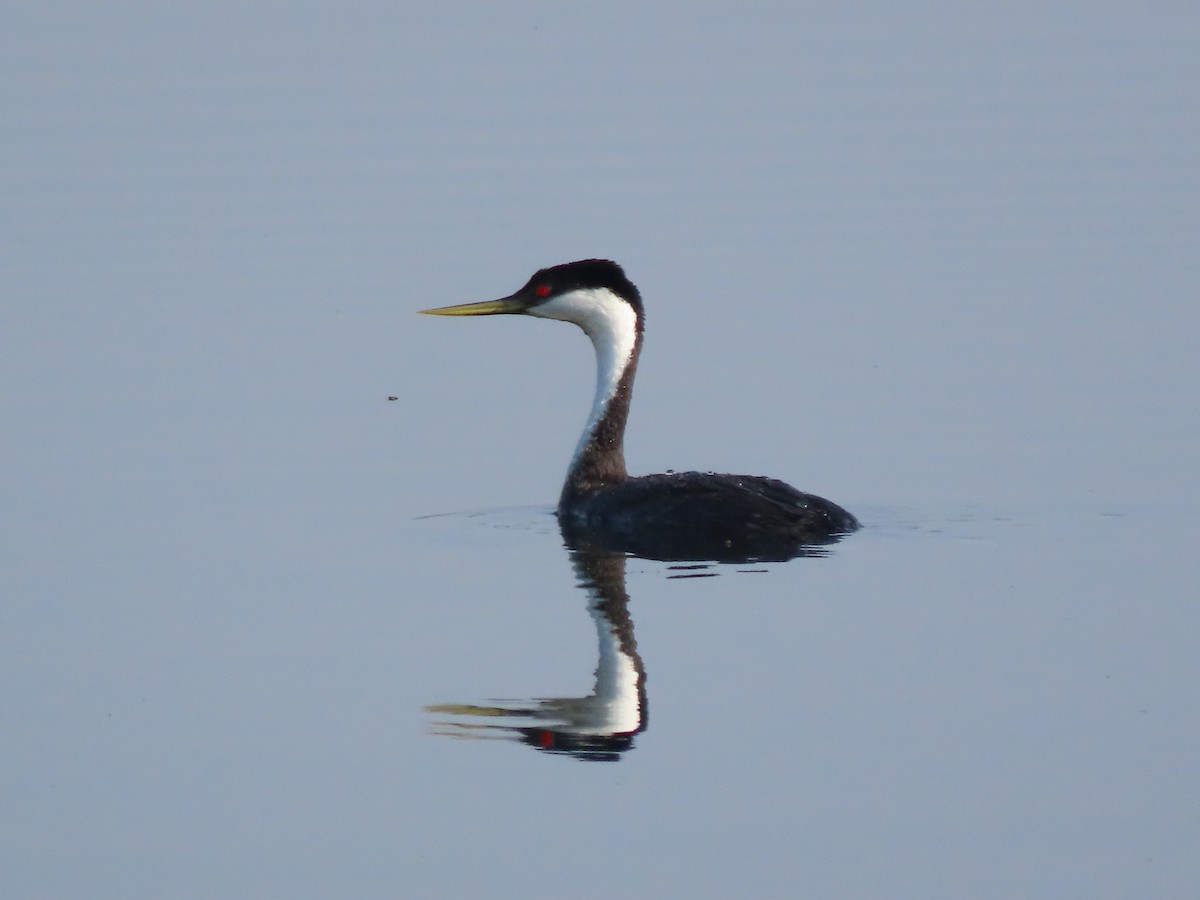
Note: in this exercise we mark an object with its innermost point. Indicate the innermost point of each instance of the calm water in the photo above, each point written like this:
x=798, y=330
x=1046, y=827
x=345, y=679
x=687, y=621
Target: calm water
x=264, y=629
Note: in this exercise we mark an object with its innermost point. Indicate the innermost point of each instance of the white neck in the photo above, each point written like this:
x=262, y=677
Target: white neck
x=617, y=680
x=611, y=323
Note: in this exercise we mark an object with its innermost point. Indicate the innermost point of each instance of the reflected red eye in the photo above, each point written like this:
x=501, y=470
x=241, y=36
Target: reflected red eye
x=542, y=290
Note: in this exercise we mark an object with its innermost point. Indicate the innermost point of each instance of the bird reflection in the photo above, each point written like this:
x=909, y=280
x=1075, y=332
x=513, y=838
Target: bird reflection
x=603, y=724
x=599, y=726
x=746, y=545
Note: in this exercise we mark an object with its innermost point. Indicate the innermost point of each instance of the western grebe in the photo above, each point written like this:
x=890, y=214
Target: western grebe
x=693, y=515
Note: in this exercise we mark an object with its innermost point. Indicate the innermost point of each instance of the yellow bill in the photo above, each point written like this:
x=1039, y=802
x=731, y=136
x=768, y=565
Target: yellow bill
x=484, y=308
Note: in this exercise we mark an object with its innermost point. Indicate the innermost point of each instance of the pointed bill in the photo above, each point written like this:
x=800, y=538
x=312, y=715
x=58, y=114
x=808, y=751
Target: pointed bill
x=512, y=304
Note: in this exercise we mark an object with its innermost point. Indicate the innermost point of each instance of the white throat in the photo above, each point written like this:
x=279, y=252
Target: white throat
x=611, y=323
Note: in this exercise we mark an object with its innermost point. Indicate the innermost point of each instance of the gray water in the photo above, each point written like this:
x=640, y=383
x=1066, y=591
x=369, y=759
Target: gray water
x=936, y=263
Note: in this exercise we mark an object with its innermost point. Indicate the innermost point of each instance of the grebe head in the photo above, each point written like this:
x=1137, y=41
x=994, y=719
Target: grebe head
x=594, y=294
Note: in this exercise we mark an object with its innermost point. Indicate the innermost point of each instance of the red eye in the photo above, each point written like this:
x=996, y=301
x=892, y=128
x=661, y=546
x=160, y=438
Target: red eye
x=542, y=290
